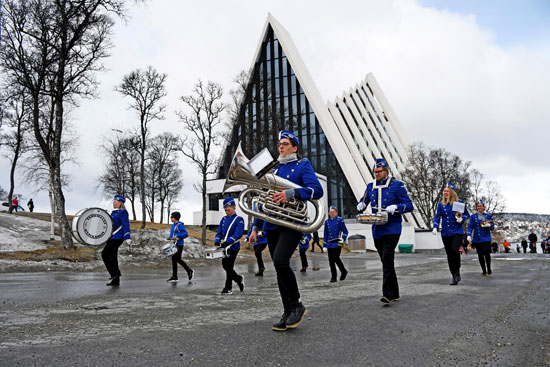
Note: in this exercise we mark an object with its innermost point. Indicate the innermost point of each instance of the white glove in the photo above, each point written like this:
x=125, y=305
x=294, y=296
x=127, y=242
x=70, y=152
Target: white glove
x=434, y=231
x=324, y=249
x=361, y=206
x=391, y=209
x=459, y=220
x=469, y=238
x=128, y=242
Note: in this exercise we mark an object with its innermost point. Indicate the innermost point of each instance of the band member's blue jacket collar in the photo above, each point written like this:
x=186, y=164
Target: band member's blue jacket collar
x=304, y=242
x=260, y=238
x=178, y=231
x=480, y=234
x=333, y=229
x=235, y=232
x=121, y=225
x=394, y=194
x=301, y=173
x=449, y=225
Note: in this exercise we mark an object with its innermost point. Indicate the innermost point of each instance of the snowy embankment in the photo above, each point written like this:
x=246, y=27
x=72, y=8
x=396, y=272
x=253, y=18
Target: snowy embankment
x=19, y=233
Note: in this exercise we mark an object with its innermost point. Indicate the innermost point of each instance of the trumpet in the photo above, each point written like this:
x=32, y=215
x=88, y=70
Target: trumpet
x=256, y=200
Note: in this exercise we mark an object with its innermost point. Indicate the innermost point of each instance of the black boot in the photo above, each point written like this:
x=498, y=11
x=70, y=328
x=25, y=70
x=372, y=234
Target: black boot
x=296, y=315
x=458, y=277
x=281, y=325
x=114, y=281
x=454, y=281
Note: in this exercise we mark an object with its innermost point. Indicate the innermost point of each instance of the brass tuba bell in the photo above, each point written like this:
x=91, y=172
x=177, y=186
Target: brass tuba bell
x=256, y=199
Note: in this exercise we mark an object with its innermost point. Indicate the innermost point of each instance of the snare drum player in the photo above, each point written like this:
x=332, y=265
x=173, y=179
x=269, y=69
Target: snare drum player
x=259, y=246
x=304, y=246
x=230, y=231
x=389, y=194
x=479, y=234
x=451, y=229
x=335, y=232
x=178, y=233
x=121, y=233
x=282, y=241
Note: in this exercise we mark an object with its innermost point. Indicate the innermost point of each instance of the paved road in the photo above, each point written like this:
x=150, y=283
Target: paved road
x=73, y=319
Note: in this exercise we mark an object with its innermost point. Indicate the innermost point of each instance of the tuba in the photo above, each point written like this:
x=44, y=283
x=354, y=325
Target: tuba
x=256, y=199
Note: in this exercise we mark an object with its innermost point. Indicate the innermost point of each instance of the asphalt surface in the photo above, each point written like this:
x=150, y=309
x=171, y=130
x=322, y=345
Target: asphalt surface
x=74, y=319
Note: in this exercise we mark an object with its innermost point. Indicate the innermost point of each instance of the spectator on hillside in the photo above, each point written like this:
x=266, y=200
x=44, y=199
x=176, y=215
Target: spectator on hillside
x=494, y=247
x=533, y=242
x=506, y=246
x=15, y=203
x=524, y=245
x=30, y=205
x=518, y=249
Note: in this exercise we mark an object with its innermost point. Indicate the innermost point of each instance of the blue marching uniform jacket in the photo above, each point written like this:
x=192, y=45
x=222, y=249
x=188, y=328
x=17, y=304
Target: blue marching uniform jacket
x=449, y=225
x=480, y=234
x=393, y=193
x=121, y=225
x=304, y=242
x=235, y=232
x=260, y=240
x=299, y=172
x=178, y=231
x=333, y=228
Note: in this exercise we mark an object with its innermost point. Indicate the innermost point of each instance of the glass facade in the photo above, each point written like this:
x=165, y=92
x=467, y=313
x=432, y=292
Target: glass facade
x=273, y=101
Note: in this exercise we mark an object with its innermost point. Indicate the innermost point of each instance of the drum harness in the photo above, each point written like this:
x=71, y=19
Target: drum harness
x=379, y=188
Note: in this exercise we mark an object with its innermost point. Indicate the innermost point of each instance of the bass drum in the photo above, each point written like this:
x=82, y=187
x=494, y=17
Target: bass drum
x=92, y=226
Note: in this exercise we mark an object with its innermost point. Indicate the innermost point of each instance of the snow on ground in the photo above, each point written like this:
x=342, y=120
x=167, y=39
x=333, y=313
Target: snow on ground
x=19, y=233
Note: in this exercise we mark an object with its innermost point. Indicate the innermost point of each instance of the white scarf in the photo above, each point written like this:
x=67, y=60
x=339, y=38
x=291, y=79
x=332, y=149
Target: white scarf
x=287, y=158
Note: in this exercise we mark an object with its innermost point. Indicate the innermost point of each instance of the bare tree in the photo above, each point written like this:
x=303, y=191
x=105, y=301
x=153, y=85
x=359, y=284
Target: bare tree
x=201, y=122
x=428, y=171
x=16, y=128
x=171, y=189
x=146, y=89
x=54, y=48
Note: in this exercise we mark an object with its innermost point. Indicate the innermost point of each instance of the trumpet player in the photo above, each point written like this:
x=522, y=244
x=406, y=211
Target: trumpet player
x=282, y=241
x=386, y=194
x=451, y=228
x=479, y=234
x=334, y=228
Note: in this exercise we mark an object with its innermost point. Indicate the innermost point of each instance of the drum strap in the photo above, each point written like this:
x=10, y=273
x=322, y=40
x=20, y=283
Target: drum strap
x=229, y=228
x=118, y=229
x=380, y=187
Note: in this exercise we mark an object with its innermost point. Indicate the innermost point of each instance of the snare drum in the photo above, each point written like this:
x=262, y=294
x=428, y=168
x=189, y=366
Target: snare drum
x=218, y=253
x=92, y=226
x=372, y=218
x=169, y=249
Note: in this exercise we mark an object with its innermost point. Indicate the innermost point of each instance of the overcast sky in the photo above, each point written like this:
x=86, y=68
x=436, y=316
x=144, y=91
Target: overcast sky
x=468, y=76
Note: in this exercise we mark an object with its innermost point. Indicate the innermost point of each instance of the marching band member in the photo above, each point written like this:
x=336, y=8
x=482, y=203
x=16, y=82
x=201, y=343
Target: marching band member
x=304, y=245
x=259, y=246
x=121, y=233
x=481, y=224
x=389, y=194
x=178, y=233
x=230, y=231
x=334, y=228
x=282, y=241
x=451, y=229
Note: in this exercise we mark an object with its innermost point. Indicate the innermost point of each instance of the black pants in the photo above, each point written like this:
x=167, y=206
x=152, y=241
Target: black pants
x=333, y=260
x=524, y=249
x=452, y=248
x=316, y=242
x=484, y=255
x=386, y=249
x=282, y=243
x=258, y=252
x=533, y=247
x=110, y=257
x=230, y=274
x=303, y=257
x=176, y=259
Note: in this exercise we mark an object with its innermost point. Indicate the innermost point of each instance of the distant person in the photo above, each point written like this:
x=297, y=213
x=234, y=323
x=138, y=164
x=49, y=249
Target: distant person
x=518, y=248
x=230, y=231
x=479, y=233
x=15, y=203
x=178, y=233
x=121, y=233
x=543, y=246
x=335, y=233
x=304, y=245
x=494, y=247
x=259, y=246
x=316, y=242
x=451, y=228
x=524, y=245
x=533, y=242
x=30, y=205
x=506, y=246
